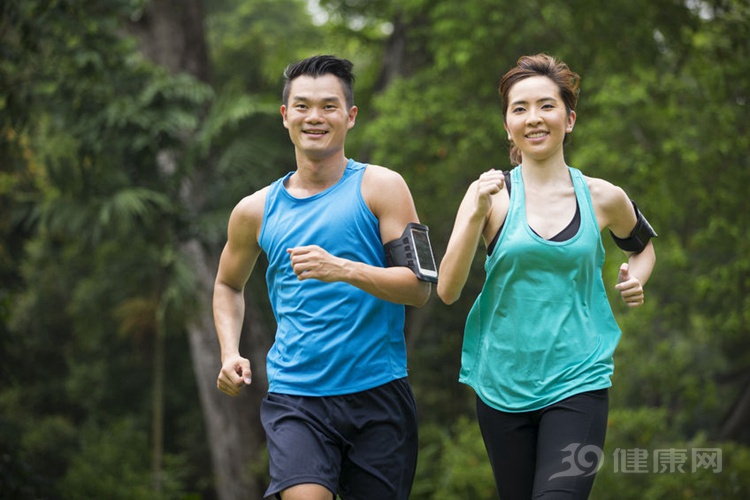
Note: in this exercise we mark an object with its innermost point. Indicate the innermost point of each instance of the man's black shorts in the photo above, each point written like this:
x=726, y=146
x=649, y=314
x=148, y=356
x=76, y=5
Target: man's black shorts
x=361, y=446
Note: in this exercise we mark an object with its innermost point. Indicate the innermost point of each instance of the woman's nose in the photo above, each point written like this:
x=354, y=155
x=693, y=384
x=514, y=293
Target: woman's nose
x=533, y=118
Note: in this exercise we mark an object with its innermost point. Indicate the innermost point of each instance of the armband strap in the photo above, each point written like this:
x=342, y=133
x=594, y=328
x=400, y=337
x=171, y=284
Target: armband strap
x=413, y=250
x=639, y=236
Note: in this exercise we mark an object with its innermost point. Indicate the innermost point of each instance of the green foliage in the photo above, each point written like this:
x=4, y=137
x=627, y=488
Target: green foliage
x=648, y=431
x=466, y=472
x=253, y=41
x=112, y=463
x=100, y=136
x=97, y=146
x=453, y=463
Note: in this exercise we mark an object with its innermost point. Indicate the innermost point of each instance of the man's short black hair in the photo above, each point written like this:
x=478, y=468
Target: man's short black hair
x=318, y=66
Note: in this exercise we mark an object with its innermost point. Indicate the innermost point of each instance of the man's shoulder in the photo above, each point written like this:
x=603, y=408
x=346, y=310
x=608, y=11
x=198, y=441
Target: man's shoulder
x=380, y=174
x=253, y=204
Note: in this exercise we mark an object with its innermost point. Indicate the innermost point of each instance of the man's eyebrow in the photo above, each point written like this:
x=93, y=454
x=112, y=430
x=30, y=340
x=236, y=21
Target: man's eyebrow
x=303, y=98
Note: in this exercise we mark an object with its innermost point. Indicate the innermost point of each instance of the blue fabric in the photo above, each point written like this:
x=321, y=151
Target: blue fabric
x=542, y=328
x=331, y=338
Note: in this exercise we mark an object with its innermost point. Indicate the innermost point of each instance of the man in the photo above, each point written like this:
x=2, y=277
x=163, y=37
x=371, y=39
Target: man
x=339, y=415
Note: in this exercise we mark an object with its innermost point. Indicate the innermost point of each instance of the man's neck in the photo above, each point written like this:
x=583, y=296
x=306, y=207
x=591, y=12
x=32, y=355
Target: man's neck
x=312, y=177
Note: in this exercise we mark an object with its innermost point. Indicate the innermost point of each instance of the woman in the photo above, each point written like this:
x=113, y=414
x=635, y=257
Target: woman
x=539, y=340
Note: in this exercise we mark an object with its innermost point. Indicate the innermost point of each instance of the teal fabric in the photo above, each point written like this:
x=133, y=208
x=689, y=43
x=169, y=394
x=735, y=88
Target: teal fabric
x=542, y=328
x=331, y=338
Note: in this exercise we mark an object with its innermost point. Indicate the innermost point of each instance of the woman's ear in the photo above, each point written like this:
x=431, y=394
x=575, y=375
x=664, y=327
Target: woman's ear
x=571, y=122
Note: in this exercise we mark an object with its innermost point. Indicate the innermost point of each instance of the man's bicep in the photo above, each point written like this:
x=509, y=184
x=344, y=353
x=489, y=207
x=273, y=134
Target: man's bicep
x=242, y=248
x=236, y=265
x=397, y=210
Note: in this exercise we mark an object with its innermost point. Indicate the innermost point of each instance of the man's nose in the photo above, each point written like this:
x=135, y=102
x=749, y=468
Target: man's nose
x=314, y=115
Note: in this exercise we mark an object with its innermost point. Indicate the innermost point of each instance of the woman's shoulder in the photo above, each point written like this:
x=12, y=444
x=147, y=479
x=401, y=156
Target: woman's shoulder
x=604, y=193
x=612, y=205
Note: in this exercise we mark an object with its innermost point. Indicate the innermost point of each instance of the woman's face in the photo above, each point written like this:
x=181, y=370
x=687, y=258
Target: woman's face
x=537, y=119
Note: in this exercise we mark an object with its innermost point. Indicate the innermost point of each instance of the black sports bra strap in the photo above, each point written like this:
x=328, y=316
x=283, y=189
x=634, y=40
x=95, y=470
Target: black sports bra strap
x=570, y=230
x=491, y=246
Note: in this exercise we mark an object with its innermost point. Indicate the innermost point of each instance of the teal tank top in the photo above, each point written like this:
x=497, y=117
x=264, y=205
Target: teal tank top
x=331, y=338
x=542, y=328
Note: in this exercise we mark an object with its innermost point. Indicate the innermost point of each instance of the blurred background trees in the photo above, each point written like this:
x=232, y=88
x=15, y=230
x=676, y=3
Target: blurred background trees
x=130, y=128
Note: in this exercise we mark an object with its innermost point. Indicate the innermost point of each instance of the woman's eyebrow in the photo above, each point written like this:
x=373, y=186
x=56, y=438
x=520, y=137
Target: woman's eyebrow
x=542, y=99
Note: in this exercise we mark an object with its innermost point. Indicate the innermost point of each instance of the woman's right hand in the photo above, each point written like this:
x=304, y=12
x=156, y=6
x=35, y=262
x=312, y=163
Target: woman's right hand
x=489, y=183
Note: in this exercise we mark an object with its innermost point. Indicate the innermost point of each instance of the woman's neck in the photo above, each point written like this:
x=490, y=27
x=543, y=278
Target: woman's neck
x=546, y=173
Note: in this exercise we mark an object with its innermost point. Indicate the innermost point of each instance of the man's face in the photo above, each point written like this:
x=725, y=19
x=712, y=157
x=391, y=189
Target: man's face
x=317, y=117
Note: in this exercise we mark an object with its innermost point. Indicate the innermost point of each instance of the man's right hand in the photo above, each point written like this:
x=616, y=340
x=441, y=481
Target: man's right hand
x=234, y=375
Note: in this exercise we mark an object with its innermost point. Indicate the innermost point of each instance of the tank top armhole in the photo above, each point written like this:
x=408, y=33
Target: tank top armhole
x=271, y=193
x=359, y=170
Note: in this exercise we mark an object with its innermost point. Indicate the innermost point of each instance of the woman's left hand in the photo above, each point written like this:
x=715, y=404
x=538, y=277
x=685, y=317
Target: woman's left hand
x=630, y=287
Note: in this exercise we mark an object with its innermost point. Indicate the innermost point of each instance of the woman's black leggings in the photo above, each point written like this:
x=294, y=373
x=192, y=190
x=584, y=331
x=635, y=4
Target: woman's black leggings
x=552, y=453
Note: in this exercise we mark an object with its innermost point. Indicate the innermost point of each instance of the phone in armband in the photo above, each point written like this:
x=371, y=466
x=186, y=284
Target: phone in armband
x=413, y=250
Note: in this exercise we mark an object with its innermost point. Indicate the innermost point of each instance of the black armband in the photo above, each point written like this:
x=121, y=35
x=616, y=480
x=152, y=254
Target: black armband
x=413, y=250
x=639, y=236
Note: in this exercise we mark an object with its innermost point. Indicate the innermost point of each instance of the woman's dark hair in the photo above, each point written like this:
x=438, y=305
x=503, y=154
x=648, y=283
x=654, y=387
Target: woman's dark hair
x=318, y=66
x=566, y=80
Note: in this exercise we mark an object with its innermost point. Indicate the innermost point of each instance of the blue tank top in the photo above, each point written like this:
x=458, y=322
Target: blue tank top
x=331, y=338
x=542, y=328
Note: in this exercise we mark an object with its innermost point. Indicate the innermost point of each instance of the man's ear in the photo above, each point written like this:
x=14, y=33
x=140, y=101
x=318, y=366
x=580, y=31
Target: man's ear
x=282, y=110
x=352, y=116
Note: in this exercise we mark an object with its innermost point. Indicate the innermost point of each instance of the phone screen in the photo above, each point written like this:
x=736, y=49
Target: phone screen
x=425, y=259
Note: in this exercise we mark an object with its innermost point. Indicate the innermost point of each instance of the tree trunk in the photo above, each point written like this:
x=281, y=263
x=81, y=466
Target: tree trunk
x=403, y=55
x=170, y=33
x=232, y=424
x=157, y=410
x=735, y=425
